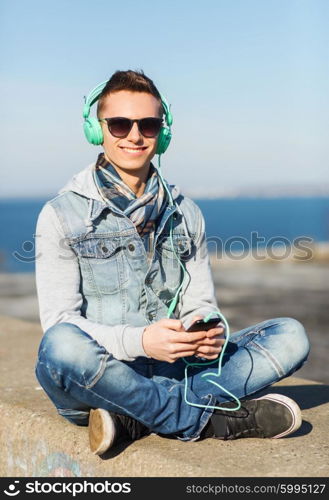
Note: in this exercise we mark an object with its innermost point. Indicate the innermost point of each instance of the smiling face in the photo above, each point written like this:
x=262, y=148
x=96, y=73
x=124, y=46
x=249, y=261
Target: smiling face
x=131, y=154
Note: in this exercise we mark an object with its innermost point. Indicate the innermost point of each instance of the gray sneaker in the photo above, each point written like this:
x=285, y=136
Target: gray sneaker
x=271, y=416
x=107, y=429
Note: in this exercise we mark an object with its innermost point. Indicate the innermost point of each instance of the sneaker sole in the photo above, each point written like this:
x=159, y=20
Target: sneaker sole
x=101, y=431
x=294, y=409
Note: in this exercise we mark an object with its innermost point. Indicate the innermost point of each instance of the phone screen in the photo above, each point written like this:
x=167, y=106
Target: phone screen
x=200, y=324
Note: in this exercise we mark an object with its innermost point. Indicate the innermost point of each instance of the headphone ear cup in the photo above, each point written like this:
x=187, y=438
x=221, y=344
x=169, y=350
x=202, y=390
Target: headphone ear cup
x=93, y=131
x=163, y=140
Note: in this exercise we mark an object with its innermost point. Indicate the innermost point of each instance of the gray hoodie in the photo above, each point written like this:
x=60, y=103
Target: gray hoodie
x=58, y=279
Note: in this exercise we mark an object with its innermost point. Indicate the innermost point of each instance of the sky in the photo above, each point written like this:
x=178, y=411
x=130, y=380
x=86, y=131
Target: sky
x=247, y=81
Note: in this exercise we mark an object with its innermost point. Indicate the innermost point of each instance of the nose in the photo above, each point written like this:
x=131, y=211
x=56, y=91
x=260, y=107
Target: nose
x=134, y=135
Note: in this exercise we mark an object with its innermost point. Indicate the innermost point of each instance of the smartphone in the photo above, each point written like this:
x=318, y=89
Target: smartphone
x=200, y=324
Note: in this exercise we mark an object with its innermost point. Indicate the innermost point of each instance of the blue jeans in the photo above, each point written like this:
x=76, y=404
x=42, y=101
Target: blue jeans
x=78, y=374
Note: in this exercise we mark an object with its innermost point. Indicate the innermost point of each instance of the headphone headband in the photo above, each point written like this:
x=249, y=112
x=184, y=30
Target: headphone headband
x=92, y=98
x=96, y=92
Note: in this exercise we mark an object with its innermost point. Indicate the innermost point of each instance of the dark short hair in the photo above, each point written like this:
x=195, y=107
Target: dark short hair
x=134, y=81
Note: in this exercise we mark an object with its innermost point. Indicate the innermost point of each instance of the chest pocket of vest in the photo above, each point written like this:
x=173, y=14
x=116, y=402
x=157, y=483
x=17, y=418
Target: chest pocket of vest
x=101, y=264
x=166, y=249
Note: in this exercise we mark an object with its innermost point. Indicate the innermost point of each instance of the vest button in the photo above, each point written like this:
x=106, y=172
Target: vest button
x=131, y=247
x=105, y=249
x=151, y=315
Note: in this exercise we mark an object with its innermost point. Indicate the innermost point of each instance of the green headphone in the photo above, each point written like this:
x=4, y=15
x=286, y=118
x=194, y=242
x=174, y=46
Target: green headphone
x=93, y=130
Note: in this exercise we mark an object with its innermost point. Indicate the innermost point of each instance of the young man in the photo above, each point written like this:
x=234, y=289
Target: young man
x=122, y=271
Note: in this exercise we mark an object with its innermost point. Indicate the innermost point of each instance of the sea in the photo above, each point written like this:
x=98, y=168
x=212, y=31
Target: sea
x=228, y=221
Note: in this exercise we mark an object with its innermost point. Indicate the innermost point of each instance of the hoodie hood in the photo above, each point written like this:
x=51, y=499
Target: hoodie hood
x=83, y=183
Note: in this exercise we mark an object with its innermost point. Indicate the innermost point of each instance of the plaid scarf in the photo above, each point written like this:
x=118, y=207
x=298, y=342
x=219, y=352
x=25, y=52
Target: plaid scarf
x=142, y=211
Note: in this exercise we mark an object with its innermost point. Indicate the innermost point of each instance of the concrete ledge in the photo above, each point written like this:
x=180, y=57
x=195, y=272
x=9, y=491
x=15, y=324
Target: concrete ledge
x=35, y=441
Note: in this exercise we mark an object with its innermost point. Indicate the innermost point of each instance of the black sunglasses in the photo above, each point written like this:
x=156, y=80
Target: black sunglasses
x=120, y=127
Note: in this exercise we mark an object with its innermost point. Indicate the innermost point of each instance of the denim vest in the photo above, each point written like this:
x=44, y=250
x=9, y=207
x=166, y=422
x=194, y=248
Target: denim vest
x=119, y=285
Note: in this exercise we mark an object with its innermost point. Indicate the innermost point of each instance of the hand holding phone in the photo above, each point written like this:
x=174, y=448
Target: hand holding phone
x=204, y=344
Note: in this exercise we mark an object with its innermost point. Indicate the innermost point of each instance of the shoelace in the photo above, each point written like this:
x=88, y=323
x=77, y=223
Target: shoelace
x=242, y=424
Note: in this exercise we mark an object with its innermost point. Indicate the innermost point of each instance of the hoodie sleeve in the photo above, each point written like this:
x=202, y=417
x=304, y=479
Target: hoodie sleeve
x=198, y=296
x=58, y=283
